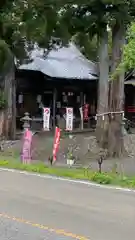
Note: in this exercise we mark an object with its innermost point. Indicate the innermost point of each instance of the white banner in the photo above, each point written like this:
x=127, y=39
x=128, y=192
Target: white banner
x=81, y=114
x=46, y=119
x=69, y=119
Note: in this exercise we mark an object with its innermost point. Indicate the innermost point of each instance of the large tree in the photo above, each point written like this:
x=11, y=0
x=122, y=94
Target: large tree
x=122, y=15
x=93, y=17
x=22, y=24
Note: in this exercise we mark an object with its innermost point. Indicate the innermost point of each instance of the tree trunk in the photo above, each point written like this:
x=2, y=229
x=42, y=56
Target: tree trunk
x=10, y=111
x=102, y=123
x=116, y=94
x=13, y=118
x=1, y=123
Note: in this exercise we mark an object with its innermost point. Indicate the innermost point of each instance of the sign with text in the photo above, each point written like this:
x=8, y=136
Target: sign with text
x=56, y=143
x=86, y=112
x=69, y=119
x=81, y=114
x=46, y=119
x=26, y=149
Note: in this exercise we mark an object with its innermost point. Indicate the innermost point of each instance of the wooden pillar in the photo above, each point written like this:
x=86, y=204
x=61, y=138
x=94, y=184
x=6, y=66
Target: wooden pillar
x=81, y=114
x=81, y=98
x=54, y=106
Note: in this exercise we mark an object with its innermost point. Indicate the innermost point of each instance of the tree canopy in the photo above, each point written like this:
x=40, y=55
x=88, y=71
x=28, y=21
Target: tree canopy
x=85, y=19
x=129, y=49
x=24, y=23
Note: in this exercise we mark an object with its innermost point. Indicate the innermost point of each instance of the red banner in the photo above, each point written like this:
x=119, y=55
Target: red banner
x=56, y=143
x=86, y=111
x=131, y=109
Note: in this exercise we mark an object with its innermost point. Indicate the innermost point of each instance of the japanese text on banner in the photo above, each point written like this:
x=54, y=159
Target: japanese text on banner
x=69, y=119
x=26, y=149
x=86, y=112
x=46, y=119
x=56, y=143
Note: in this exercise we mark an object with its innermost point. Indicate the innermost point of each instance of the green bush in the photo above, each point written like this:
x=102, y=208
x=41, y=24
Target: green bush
x=100, y=178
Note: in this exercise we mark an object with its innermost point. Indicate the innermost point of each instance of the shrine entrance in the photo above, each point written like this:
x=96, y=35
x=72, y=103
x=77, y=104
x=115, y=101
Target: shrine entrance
x=35, y=91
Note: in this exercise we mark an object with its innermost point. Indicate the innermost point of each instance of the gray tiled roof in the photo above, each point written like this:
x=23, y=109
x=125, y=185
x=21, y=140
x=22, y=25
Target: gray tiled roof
x=66, y=62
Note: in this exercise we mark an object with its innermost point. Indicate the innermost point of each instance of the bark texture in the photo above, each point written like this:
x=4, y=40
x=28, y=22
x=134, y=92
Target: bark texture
x=9, y=130
x=116, y=94
x=102, y=124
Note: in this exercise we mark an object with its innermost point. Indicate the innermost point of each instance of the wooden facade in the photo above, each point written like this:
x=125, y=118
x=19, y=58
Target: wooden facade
x=61, y=93
x=56, y=94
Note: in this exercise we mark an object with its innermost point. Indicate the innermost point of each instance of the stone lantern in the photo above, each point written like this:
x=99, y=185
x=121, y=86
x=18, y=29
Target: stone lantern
x=26, y=121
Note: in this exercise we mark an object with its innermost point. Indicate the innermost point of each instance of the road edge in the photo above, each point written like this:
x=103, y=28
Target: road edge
x=84, y=182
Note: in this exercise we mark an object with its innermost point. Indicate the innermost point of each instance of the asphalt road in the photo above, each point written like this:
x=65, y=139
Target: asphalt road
x=34, y=208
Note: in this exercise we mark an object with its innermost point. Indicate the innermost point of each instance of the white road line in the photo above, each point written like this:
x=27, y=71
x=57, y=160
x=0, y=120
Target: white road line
x=87, y=183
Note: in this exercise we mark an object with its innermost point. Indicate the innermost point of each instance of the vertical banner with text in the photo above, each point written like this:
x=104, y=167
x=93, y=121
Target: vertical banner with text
x=26, y=149
x=46, y=119
x=56, y=143
x=86, y=112
x=69, y=119
x=81, y=114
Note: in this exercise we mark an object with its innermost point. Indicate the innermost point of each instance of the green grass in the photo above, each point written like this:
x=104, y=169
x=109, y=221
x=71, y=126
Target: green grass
x=101, y=178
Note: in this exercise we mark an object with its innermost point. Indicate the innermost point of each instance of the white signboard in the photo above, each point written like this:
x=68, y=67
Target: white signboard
x=69, y=119
x=20, y=99
x=46, y=119
x=81, y=113
x=39, y=98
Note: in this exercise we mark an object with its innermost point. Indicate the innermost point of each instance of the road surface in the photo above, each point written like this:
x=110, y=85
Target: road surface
x=36, y=208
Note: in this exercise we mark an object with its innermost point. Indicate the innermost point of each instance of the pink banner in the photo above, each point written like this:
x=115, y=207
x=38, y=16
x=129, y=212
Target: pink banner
x=26, y=149
x=56, y=143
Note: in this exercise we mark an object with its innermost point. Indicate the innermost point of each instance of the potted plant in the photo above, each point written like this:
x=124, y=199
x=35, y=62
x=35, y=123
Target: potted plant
x=70, y=157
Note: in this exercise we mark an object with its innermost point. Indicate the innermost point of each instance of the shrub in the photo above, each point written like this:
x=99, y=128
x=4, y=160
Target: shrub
x=101, y=178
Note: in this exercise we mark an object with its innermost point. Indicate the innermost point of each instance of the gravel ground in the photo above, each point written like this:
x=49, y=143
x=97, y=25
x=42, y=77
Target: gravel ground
x=129, y=142
x=85, y=149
